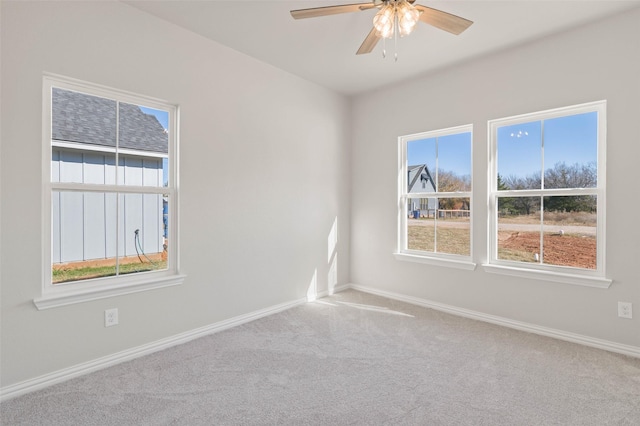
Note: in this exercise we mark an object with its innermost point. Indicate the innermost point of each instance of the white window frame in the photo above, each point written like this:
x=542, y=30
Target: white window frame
x=563, y=274
x=68, y=293
x=431, y=258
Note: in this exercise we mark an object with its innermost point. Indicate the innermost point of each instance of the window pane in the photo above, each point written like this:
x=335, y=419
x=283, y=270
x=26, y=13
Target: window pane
x=83, y=235
x=519, y=229
x=520, y=156
x=86, y=126
x=141, y=242
x=570, y=225
x=161, y=117
x=144, y=130
x=453, y=226
x=571, y=151
x=454, y=162
x=85, y=238
x=421, y=224
x=83, y=119
x=421, y=165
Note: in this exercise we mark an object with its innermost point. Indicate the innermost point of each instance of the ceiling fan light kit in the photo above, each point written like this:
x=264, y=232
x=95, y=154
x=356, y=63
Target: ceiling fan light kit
x=395, y=18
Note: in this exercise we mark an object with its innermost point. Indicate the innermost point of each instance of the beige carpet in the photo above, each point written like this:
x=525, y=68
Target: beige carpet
x=351, y=359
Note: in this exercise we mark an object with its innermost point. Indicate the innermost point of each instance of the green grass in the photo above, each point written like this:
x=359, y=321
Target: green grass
x=83, y=273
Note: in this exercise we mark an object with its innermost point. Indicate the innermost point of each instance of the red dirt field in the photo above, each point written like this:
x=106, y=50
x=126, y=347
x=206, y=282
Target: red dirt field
x=562, y=250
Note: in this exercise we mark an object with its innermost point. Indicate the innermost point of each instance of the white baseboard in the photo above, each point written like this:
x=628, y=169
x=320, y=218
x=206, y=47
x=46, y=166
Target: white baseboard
x=65, y=374
x=606, y=345
x=325, y=293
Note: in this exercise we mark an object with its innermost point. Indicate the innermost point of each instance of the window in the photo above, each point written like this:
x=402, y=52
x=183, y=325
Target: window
x=547, y=194
x=110, y=192
x=434, y=210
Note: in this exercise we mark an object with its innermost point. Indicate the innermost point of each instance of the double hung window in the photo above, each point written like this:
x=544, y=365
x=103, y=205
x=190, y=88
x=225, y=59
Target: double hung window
x=110, y=191
x=547, y=193
x=434, y=209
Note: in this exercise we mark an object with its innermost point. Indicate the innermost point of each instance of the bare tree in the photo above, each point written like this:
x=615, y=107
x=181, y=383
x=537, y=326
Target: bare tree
x=572, y=176
x=521, y=205
x=515, y=183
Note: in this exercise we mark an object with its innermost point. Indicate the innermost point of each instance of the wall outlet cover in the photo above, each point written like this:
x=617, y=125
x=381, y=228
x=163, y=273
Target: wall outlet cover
x=111, y=317
x=625, y=310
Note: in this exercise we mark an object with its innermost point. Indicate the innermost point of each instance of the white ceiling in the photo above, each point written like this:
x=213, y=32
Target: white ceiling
x=323, y=49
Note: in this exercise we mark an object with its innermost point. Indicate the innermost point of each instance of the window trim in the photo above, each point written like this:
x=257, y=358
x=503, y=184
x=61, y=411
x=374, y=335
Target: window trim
x=432, y=258
x=91, y=289
x=557, y=273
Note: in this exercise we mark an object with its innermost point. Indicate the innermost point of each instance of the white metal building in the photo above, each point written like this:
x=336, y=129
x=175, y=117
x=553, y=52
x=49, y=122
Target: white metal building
x=84, y=151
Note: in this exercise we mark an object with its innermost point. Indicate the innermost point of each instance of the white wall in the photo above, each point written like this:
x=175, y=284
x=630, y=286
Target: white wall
x=599, y=61
x=251, y=135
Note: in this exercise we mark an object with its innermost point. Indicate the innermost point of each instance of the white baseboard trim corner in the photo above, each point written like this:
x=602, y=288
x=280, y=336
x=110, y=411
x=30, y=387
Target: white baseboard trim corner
x=339, y=288
x=325, y=293
x=59, y=376
x=593, y=342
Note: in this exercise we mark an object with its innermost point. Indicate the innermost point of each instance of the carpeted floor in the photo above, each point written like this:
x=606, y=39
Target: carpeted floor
x=351, y=359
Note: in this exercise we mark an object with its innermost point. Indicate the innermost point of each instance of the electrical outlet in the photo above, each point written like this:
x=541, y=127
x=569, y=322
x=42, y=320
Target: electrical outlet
x=625, y=310
x=111, y=317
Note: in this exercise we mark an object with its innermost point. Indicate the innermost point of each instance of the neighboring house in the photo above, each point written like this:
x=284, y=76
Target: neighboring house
x=420, y=181
x=84, y=141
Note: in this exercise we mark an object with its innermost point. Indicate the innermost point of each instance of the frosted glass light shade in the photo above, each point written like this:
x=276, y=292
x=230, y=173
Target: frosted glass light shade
x=407, y=17
x=383, y=21
x=400, y=14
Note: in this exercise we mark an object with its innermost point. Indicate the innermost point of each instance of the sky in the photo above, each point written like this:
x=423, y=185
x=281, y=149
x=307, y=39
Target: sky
x=162, y=116
x=521, y=147
x=453, y=153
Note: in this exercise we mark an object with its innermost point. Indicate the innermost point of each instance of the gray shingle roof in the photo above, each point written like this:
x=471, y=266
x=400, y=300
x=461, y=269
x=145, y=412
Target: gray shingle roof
x=81, y=118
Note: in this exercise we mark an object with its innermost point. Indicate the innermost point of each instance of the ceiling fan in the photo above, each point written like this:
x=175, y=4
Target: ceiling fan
x=395, y=17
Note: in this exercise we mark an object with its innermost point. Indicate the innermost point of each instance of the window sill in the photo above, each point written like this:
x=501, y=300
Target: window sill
x=449, y=263
x=62, y=297
x=576, y=279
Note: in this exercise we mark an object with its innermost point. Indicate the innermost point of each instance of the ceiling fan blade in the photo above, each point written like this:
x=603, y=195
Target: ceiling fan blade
x=369, y=43
x=368, y=6
x=330, y=10
x=443, y=20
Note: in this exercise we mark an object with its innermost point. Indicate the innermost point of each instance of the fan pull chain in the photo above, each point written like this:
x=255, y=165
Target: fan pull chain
x=384, y=48
x=395, y=34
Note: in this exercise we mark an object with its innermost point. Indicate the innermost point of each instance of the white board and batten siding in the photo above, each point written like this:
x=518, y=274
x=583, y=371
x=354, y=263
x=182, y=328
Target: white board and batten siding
x=84, y=223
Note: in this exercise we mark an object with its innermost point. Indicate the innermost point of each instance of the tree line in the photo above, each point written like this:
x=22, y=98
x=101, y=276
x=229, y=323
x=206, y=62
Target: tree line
x=560, y=176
